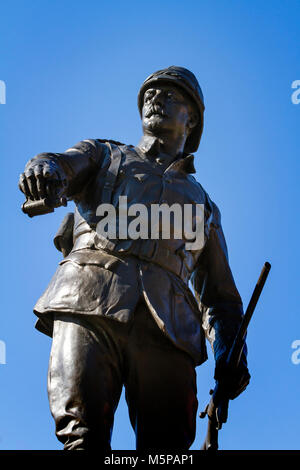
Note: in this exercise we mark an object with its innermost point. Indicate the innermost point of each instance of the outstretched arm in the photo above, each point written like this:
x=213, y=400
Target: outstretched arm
x=49, y=174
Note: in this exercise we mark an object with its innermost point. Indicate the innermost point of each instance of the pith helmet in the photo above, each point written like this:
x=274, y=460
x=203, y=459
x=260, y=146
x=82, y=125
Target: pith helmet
x=186, y=80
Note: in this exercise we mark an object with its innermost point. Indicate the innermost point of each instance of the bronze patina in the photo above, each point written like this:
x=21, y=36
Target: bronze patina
x=120, y=311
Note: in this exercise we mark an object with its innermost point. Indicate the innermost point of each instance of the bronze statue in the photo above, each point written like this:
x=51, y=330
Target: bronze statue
x=120, y=310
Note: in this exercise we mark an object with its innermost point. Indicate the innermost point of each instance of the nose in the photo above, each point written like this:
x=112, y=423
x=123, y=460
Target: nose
x=158, y=98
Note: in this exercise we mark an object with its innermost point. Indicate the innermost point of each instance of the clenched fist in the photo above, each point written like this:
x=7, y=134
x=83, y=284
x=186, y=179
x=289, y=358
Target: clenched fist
x=42, y=178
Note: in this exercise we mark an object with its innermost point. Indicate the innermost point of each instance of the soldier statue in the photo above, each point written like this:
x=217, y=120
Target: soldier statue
x=121, y=311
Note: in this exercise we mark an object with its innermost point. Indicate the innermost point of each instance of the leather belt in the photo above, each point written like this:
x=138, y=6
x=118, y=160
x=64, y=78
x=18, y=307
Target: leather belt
x=146, y=250
x=155, y=252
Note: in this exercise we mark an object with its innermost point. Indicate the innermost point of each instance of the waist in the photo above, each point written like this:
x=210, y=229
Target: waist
x=153, y=251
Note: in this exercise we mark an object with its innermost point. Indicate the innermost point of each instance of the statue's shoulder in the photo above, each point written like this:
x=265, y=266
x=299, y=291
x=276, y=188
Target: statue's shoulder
x=201, y=188
x=87, y=143
x=110, y=141
x=110, y=144
x=211, y=206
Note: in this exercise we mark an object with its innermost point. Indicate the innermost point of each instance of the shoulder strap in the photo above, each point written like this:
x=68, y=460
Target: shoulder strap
x=112, y=172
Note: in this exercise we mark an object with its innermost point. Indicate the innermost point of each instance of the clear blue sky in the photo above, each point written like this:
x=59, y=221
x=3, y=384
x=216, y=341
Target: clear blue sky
x=72, y=71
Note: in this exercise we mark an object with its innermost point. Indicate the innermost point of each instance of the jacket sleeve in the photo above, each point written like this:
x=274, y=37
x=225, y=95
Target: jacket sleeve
x=215, y=290
x=77, y=164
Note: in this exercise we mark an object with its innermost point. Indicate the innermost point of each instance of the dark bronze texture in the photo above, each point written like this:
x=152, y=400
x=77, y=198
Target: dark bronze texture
x=121, y=311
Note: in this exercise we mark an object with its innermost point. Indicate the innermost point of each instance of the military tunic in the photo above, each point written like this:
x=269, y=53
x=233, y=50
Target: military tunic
x=108, y=279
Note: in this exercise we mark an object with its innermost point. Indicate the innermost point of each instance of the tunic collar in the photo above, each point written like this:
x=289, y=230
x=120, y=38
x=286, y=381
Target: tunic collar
x=150, y=146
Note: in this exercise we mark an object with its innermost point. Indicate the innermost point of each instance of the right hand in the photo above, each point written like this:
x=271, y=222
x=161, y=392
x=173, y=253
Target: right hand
x=42, y=178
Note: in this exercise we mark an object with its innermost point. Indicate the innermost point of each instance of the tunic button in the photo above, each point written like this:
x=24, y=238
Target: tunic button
x=159, y=160
x=168, y=179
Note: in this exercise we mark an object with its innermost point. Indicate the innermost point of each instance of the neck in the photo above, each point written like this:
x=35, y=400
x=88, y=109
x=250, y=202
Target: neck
x=171, y=145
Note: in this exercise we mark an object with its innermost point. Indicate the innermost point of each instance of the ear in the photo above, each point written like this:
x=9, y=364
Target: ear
x=192, y=121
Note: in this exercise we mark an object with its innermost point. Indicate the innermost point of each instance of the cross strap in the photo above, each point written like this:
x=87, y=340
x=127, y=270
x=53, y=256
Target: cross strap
x=112, y=173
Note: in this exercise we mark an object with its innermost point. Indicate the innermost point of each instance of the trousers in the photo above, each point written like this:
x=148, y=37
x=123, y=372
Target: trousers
x=93, y=358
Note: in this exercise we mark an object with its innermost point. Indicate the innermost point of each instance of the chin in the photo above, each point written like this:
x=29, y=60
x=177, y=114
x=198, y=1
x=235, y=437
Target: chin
x=155, y=122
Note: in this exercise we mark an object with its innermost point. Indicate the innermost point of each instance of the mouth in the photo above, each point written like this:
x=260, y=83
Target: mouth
x=155, y=111
x=160, y=115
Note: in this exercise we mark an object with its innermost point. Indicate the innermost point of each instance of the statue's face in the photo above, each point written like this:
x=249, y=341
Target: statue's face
x=165, y=109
